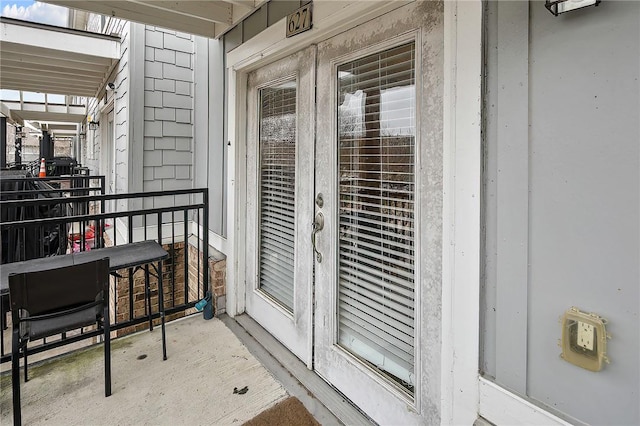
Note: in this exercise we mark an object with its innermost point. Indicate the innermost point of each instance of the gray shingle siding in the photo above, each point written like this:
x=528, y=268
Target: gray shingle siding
x=177, y=101
x=183, y=59
x=164, y=172
x=183, y=172
x=168, y=127
x=164, y=85
x=149, y=53
x=153, y=158
x=176, y=157
x=177, y=73
x=165, y=55
x=183, y=144
x=171, y=128
x=153, y=39
x=171, y=41
x=152, y=98
x=183, y=116
x=153, y=128
x=153, y=69
x=165, y=143
x=183, y=88
x=165, y=114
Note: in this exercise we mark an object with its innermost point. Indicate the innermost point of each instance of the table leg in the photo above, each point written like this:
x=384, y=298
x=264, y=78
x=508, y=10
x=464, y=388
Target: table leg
x=147, y=290
x=161, y=310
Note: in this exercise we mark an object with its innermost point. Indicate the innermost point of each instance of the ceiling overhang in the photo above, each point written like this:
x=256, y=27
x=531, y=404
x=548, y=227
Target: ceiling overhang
x=47, y=59
x=36, y=111
x=209, y=18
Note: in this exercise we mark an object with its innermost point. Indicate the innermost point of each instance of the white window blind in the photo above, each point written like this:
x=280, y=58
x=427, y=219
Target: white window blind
x=277, y=191
x=376, y=135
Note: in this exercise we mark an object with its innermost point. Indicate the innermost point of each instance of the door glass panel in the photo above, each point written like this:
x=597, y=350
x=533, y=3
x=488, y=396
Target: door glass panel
x=277, y=191
x=376, y=137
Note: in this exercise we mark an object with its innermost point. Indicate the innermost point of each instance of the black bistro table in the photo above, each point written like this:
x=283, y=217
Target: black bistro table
x=125, y=256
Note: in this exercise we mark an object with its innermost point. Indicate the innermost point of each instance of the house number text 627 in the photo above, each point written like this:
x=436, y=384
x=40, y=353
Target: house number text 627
x=299, y=21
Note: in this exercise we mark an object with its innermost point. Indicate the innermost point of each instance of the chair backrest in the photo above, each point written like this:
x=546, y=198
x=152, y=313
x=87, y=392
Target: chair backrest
x=57, y=300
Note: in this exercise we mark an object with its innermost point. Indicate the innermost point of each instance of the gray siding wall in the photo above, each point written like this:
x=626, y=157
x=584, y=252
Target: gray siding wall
x=562, y=202
x=168, y=155
x=169, y=90
x=210, y=149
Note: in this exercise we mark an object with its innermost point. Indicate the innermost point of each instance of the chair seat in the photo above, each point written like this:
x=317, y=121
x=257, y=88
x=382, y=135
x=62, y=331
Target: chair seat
x=38, y=329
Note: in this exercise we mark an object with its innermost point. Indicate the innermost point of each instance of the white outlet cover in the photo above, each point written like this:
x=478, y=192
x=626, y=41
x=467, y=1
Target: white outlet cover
x=585, y=335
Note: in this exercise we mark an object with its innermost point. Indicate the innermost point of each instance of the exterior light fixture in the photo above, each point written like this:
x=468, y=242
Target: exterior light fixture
x=93, y=125
x=557, y=7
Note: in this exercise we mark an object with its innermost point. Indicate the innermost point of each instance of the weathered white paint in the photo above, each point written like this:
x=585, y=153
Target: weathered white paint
x=293, y=330
x=462, y=159
x=329, y=18
x=376, y=396
x=236, y=188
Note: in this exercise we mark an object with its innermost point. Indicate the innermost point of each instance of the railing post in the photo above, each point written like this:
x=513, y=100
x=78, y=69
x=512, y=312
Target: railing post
x=205, y=238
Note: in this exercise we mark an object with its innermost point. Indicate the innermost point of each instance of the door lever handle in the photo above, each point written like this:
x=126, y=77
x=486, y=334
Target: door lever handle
x=318, y=224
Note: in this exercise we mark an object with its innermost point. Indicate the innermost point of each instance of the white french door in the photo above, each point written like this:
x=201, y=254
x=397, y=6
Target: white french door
x=280, y=135
x=378, y=166
x=348, y=135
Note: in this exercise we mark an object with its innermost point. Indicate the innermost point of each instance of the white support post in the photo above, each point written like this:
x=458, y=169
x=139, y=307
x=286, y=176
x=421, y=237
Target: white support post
x=462, y=159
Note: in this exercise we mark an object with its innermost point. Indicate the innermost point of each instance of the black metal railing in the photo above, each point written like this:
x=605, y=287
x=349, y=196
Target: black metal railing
x=176, y=219
x=45, y=240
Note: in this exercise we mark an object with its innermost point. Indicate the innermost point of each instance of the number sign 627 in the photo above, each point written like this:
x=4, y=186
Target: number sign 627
x=299, y=21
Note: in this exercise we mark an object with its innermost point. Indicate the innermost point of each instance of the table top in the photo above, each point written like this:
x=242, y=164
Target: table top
x=120, y=257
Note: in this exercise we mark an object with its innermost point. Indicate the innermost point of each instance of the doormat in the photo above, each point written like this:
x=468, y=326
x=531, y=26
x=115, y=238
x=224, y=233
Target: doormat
x=289, y=412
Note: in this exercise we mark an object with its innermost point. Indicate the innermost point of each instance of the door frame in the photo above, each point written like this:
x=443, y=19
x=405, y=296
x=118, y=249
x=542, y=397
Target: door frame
x=462, y=159
x=108, y=150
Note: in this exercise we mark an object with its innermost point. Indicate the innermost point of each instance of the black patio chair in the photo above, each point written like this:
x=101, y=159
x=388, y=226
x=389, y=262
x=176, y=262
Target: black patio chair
x=54, y=301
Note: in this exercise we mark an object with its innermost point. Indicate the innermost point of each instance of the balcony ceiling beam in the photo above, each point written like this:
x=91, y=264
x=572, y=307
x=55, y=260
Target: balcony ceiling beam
x=199, y=17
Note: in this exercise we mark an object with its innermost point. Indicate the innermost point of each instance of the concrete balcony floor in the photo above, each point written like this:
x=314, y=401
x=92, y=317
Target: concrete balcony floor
x=195, y=385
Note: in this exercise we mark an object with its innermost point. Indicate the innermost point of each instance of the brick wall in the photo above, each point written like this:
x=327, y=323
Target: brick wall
x=217, y=275
x=173, y=279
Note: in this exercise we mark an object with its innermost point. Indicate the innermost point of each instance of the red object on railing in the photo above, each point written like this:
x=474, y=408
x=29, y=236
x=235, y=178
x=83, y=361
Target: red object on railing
x=89, y=238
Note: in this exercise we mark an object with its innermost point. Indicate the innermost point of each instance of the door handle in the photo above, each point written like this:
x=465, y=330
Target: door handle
x=318, y=224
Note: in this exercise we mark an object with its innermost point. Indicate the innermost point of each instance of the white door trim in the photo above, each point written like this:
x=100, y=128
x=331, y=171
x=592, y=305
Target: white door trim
x=462, y=158
x=502, y=407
